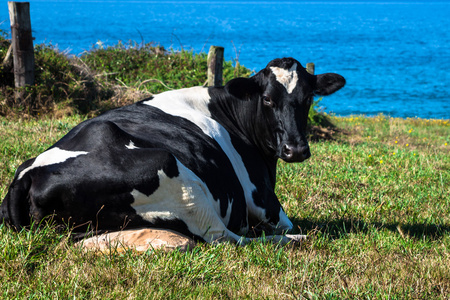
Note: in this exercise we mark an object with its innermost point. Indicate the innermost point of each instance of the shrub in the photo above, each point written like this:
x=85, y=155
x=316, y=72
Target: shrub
x=154, y=68
x=61, y=83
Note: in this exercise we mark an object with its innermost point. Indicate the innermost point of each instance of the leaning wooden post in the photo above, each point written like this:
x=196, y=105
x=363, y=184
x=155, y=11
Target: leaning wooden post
x=310, y=68
x=22, y=43
x=7, y=63
x=215, y=66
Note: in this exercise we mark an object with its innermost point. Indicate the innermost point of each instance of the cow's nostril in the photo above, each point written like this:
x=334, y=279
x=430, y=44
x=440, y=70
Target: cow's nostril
x=288, y=151
x=292, y=153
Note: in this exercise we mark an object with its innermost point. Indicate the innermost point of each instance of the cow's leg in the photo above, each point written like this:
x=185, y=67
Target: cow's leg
x=184, y=197
x=229, y=236
x=123, y=188
x=277, y=239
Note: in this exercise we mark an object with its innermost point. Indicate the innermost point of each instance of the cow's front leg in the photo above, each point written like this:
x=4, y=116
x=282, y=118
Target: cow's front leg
x=295, y=239
x=185, y=198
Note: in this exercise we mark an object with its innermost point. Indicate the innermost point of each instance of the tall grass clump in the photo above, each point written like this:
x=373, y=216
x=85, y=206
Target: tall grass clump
x=102, y=78
x=62, y=84
x=154, y=68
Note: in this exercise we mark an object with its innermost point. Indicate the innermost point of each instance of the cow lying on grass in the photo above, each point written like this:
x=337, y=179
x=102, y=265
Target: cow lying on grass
x=199, y=161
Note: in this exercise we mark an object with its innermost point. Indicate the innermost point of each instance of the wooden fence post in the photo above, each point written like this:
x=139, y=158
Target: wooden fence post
x=22, y=43
x=215, y=66
x=310, y=68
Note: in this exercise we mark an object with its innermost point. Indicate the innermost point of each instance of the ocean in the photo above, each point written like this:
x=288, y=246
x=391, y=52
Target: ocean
x=395, y=55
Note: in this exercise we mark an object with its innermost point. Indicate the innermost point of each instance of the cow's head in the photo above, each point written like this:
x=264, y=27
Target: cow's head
x=282, y=94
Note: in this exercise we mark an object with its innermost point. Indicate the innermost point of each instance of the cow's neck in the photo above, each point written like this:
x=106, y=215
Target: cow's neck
x=240, y=119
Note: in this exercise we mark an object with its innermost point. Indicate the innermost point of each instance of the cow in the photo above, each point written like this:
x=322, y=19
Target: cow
x=200, y=161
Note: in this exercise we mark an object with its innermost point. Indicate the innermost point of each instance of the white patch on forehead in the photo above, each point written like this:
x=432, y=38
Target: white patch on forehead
x=51, y=157
x=192, y=104
x=131, y=146
x=288, y=78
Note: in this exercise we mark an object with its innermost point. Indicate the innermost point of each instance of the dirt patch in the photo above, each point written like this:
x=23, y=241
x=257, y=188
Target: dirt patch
x=317, y=133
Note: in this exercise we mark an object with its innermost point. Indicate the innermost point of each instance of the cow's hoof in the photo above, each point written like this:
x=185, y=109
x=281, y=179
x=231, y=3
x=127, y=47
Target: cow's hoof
x=139, y=240
x=296, y=239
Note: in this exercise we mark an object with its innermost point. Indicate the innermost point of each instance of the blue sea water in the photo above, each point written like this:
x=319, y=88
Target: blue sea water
x=395, y=55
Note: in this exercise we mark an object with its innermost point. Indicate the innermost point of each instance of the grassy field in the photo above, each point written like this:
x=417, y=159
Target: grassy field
x=375, y=202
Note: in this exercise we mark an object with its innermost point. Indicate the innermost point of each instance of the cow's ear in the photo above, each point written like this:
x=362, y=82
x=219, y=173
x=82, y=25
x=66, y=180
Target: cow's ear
x=328, y=83
x=243, y=88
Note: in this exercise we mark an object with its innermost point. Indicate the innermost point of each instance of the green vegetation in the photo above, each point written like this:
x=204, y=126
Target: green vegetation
x=103, y=78
x=374, y=202
x=373, y=198
x=154, y=68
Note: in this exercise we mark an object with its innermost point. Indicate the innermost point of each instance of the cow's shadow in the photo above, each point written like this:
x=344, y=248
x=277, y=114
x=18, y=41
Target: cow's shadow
x=337, y=228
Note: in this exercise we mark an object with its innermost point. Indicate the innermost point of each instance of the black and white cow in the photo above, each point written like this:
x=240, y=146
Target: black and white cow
x=200, y=161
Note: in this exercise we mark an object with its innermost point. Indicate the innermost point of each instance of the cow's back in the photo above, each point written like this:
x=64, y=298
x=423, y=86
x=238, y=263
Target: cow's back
x=97, y=149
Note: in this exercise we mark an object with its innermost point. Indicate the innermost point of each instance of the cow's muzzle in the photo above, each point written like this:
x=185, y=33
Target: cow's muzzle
x=292, y=153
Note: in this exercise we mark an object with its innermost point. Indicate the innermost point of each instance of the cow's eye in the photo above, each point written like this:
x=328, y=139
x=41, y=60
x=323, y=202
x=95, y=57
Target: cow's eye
x=267, y=101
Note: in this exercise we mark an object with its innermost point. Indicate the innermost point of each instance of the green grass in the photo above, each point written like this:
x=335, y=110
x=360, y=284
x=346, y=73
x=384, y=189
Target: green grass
x=375, y=203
